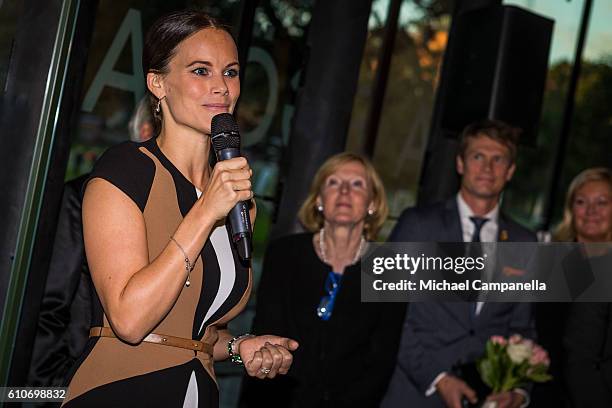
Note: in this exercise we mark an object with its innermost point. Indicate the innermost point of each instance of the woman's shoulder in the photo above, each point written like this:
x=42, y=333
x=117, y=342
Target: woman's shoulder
x=125, y=155
x=126, y=167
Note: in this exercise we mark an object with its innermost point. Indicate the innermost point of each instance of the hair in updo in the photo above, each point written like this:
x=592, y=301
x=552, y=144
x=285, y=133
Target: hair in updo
x=163, y=38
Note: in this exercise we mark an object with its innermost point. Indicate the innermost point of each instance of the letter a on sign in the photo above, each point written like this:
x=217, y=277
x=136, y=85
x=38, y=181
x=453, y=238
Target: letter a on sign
x=106, y=76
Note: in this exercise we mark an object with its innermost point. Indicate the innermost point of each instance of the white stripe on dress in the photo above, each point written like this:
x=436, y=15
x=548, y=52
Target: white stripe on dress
x=221, y=244
x=191, y=396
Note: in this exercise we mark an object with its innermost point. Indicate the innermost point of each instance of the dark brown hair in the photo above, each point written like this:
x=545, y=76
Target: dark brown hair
x=494, y=129
x=166, y=34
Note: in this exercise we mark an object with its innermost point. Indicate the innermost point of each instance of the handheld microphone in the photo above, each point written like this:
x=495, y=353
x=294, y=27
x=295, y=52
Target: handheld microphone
x=225, y=138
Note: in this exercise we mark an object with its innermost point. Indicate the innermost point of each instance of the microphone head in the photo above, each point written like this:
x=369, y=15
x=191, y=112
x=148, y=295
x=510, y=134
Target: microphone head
x=224, y=132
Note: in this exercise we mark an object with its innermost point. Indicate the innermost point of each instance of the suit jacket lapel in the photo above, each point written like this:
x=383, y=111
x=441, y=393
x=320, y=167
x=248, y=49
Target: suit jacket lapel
x=452, y=223
x=503, y=230
x=503, y=234
x=454, y=233
x=460, y=310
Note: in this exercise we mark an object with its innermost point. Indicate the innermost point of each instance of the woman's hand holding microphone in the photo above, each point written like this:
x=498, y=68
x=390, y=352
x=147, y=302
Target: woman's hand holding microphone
x=230, y=182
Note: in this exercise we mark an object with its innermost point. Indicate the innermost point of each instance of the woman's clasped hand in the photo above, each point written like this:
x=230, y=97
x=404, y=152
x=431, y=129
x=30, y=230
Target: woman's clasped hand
x=266, y=356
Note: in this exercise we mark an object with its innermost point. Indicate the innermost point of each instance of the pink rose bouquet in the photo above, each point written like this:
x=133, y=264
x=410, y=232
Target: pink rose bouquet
x=513, y=362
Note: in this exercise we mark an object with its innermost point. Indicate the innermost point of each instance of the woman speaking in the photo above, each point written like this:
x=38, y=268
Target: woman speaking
x=166, y=274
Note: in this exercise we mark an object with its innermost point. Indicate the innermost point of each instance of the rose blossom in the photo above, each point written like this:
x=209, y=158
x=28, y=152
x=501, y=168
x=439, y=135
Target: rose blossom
x=499, y=340
x=515, y=339
x=519, y=352
x=539, y=356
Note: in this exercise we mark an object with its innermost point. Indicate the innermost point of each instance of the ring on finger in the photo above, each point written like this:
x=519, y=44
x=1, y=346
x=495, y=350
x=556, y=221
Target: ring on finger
x=265, y=370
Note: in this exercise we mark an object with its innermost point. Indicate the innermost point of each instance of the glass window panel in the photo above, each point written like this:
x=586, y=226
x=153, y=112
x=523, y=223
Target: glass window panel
x=590, y=139
x=409, y=98
x=275, y=61
x=525, y=198
x=274, y=65
x=367, y=73
x=408, y=103
x=10, y=12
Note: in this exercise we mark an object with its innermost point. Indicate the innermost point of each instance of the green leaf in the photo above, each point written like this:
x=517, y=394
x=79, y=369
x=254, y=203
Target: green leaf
x=490, y=348
x=487, y=372
x=540, y=377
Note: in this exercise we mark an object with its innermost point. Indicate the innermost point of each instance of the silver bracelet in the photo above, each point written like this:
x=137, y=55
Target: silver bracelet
x=188, y=265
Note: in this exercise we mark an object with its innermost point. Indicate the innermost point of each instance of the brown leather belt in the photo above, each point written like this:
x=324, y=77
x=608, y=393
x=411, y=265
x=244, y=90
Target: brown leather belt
x=159, y=339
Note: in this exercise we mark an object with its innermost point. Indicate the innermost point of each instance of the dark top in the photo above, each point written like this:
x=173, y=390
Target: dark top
x=588, y=363
x=581, y=373
x=440, y=222
x=587, y=341
x=65, y=311
x=343, y=362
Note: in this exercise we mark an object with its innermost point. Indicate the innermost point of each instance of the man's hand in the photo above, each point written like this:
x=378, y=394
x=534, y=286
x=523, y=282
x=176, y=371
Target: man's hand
x=452, y=390
x=507, y=399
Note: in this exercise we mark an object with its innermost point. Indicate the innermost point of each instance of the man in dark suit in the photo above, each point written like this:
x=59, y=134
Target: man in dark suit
x=438, y=337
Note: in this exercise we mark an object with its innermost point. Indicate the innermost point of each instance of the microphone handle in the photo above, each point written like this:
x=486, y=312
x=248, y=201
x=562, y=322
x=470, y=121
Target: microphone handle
x=239, y=217
x=228, y=153
x=240, y=225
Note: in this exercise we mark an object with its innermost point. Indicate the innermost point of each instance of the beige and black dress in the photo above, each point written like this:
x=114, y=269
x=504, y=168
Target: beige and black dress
x=112, y=373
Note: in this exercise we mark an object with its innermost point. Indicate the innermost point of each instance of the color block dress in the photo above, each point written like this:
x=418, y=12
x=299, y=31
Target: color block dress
x=112, y=373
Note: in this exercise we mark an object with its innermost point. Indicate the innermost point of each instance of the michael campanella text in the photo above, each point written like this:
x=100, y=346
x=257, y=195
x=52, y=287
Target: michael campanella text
x=443, y=285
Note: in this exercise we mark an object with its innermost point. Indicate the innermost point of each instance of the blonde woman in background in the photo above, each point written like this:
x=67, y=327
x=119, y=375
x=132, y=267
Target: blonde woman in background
x=588, y=332
x=348, y=348
x=587, y=216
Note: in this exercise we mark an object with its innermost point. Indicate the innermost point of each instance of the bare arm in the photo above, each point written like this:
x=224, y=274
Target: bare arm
x=220, y=352
x=136, y=294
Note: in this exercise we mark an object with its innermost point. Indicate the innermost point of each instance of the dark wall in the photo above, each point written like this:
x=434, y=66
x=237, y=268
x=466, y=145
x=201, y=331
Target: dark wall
x=20, y=109
x=439, y=178
x=336, y=41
